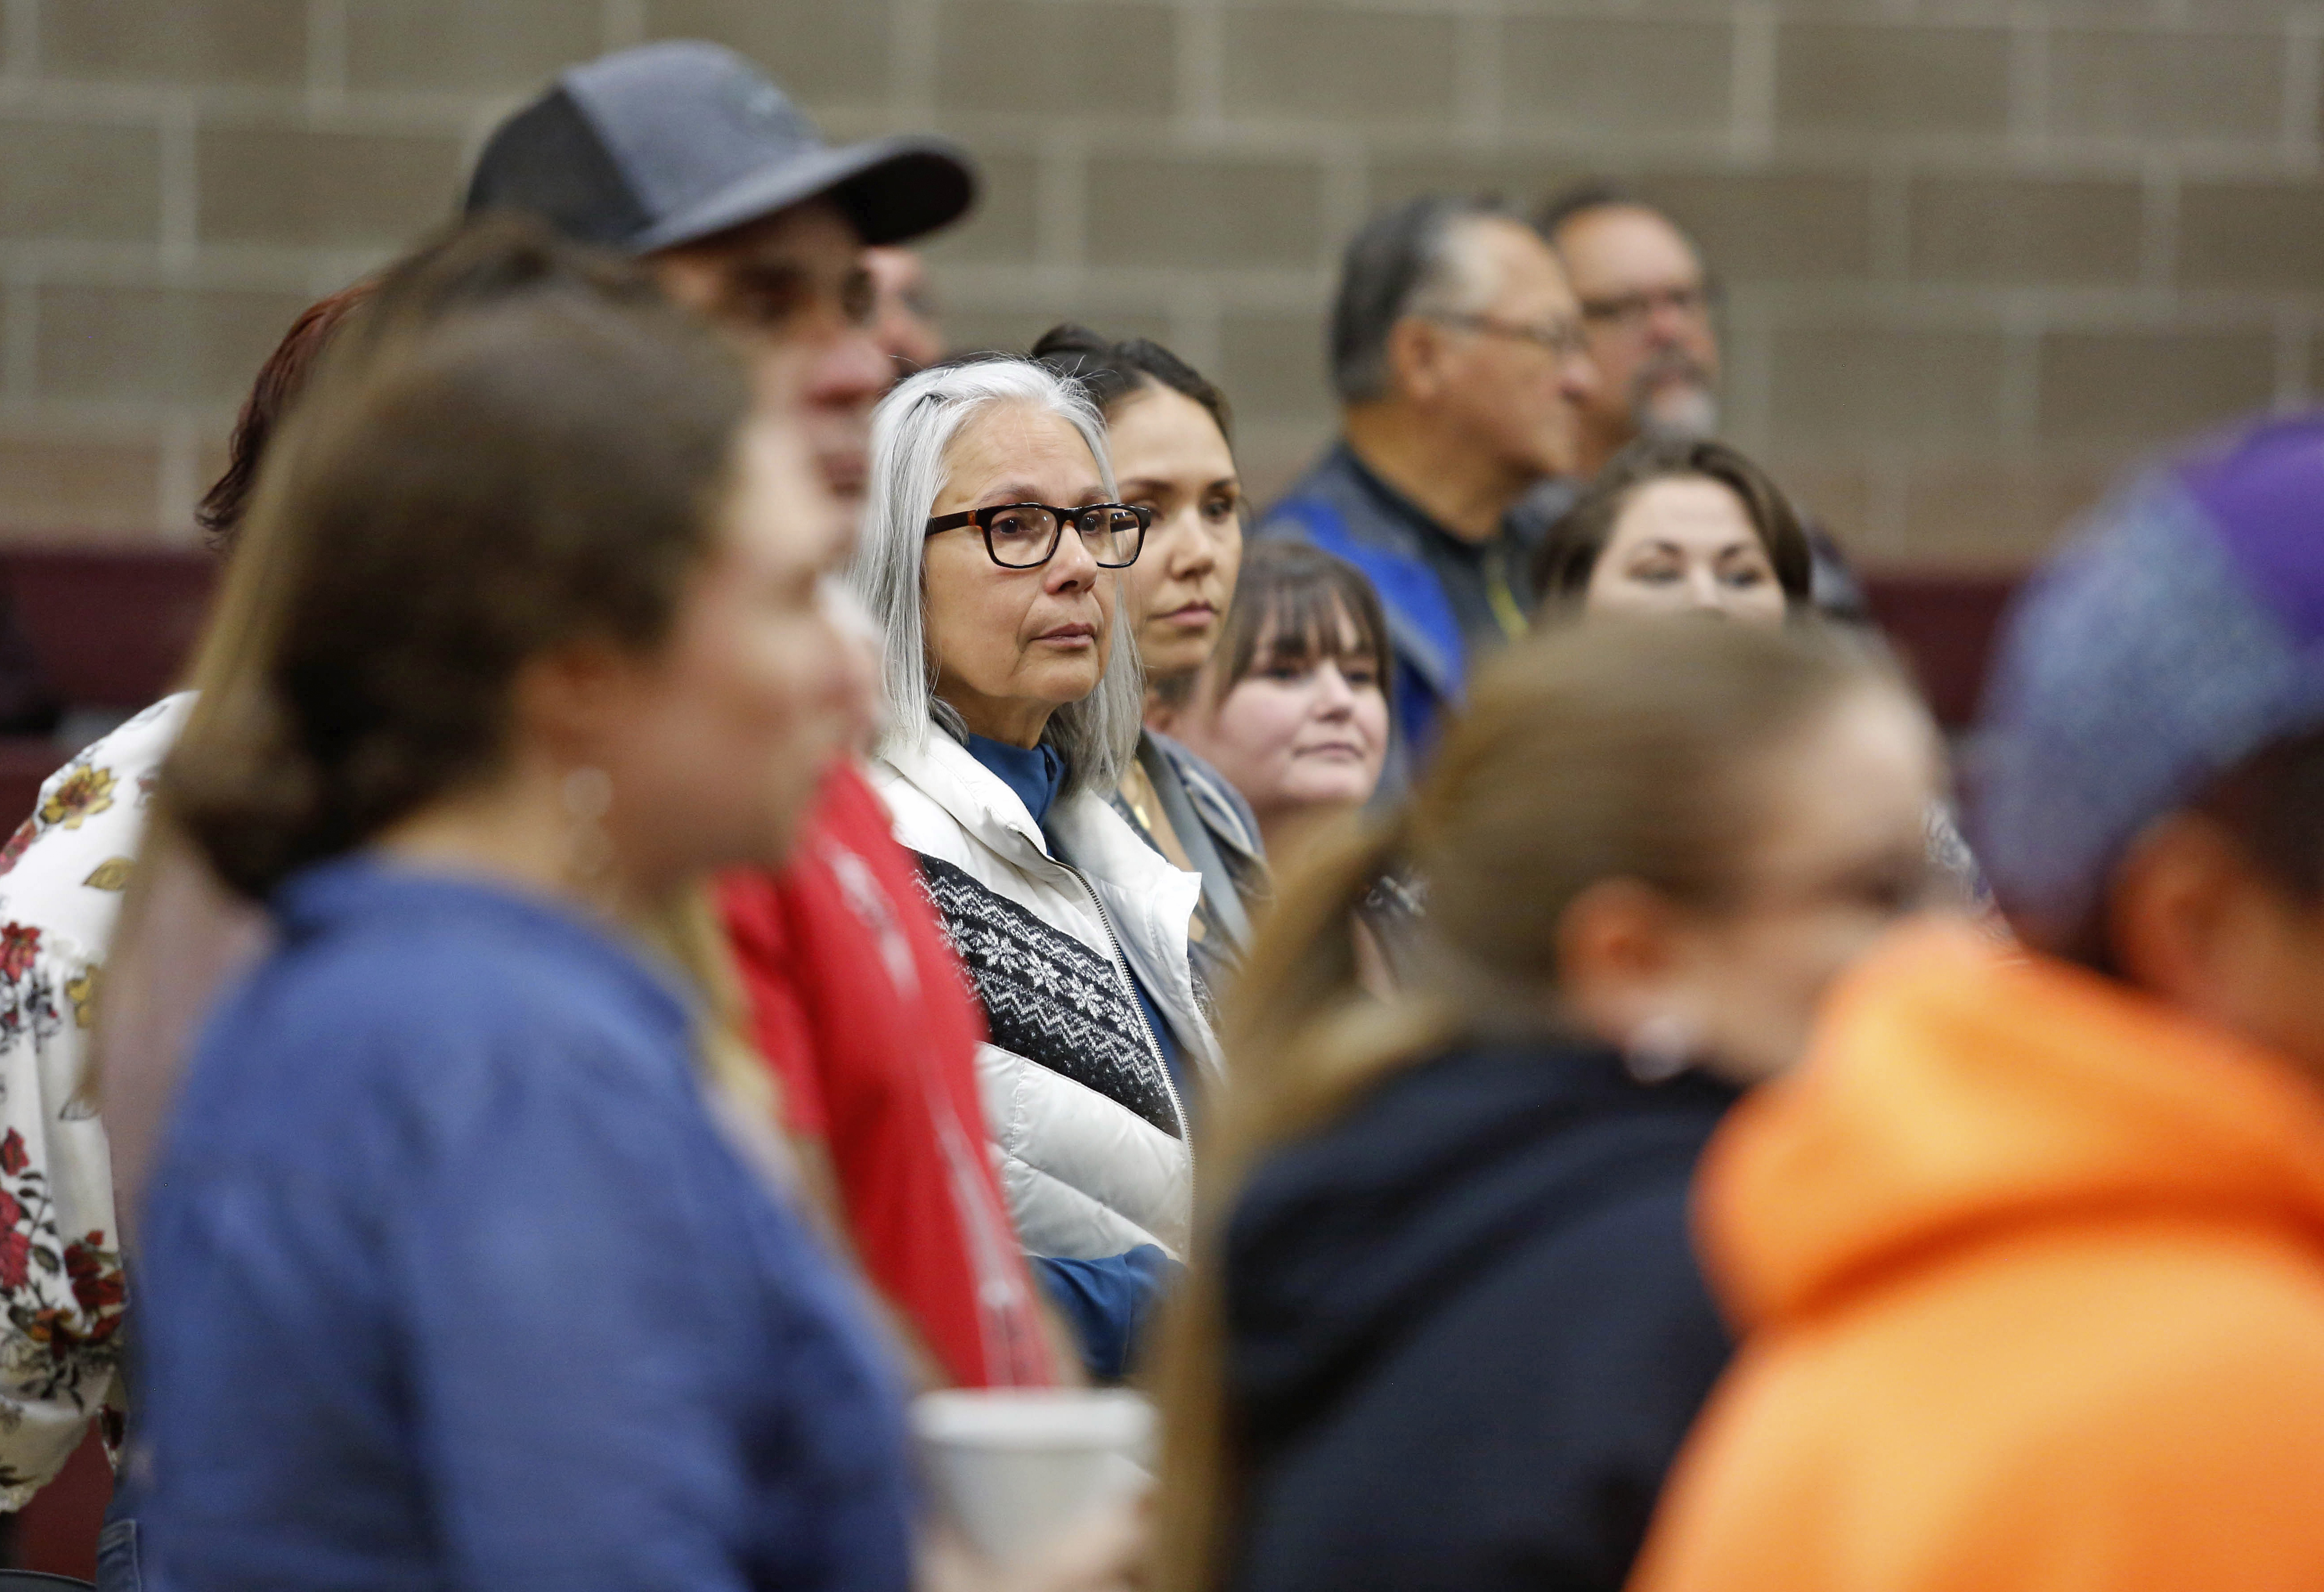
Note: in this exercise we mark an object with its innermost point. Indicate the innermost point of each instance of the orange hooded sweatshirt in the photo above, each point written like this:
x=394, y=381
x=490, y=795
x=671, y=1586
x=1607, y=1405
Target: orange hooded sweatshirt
x=2031, y=1271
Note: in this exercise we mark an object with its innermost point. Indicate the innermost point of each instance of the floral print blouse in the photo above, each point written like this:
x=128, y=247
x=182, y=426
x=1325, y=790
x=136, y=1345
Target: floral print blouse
x=61, y=878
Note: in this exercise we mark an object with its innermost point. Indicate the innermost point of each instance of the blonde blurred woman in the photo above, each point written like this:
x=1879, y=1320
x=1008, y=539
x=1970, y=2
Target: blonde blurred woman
x=1448, y=1328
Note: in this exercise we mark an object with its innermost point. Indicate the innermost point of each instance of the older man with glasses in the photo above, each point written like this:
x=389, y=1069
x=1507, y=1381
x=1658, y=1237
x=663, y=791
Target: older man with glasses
x=1646, y=303
x=1459, y=358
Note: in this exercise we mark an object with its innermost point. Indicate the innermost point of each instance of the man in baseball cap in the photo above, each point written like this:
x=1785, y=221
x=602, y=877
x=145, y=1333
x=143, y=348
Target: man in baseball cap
x=2030, y=1254
x=684, y=153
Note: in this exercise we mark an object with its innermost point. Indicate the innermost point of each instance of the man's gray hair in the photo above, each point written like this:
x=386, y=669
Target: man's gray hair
x=911, y=430
x=1407, y=261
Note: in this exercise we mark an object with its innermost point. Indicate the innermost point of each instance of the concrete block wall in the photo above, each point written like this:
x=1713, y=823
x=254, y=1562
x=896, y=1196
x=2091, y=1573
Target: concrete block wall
x=1976, y=253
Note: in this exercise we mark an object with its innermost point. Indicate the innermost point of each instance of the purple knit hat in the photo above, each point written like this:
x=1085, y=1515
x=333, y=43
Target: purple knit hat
x=2181, y=631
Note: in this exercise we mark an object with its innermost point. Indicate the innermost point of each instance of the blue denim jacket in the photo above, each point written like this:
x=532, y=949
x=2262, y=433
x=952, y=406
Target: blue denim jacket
x=449, y=1279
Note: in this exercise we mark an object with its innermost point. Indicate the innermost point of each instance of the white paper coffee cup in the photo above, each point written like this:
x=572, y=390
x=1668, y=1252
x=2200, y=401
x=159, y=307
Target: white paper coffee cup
x=1015, y=1469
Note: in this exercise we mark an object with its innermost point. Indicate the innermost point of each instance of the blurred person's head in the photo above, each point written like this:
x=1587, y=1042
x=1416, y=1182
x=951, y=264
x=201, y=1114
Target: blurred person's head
x=903, y=310
x=1455, y=341
x=1676, y=527
x=1292, y=707
x=991, y=559
x=2148, y=789
x=280, y=381
x=684, y=154
x=482, y=261
x=1171, y=436
x=1665, y=839
x=1646, y=302
x=525, y=541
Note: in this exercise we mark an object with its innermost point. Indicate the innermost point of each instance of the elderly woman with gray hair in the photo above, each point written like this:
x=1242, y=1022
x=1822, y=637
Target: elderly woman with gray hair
x=990, y=555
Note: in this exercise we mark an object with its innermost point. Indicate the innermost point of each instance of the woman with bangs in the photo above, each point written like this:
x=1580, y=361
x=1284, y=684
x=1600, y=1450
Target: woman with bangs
x=1292, y=707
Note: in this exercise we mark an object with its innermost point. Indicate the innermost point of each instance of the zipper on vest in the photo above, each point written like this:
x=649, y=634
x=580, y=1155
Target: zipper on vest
x=1129, y=989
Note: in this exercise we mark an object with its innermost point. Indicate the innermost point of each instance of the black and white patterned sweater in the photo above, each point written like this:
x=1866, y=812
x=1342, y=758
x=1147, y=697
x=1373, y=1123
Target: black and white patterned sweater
x=1090, y=1132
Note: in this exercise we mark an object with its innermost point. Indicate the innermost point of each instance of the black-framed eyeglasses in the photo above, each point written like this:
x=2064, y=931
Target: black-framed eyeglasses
x=1627, y=312
x=1562, y=339
x=1024, y=536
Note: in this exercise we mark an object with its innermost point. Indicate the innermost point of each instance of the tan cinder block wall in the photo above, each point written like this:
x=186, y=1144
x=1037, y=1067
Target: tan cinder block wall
x=1977, y=252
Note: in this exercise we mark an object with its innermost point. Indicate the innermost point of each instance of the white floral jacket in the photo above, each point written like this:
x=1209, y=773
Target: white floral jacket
x=61, y=877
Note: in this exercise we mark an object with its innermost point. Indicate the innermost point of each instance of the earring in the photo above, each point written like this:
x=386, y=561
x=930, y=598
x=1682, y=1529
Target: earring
x=1660, y=1048
x=587, y=794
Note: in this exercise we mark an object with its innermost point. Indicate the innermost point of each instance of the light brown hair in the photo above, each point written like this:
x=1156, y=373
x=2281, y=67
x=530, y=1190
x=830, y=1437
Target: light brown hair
x=489, y=264
x=1626, y=748
x=448, y=501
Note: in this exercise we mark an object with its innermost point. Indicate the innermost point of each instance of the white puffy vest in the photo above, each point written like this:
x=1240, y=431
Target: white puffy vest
x=1090, y=1134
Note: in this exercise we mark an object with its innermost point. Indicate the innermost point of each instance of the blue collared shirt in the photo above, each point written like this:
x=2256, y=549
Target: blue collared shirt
x=449, y=1279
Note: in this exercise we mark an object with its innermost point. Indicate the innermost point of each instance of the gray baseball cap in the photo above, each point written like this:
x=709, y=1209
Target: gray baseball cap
x=671, y=143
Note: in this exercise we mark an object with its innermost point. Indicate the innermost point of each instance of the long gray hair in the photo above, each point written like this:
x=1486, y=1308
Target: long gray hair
x=910, y=431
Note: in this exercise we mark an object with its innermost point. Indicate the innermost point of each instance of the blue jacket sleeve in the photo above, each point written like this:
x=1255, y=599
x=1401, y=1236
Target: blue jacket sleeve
x=1107, y=1300
x=576, y=1358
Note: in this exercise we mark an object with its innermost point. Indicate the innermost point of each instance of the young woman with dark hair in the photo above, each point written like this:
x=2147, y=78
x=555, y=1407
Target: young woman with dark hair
x=1675, y=525
x=1172, y=438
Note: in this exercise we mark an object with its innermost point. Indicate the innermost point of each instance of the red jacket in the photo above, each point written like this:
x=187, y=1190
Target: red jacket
x=863, y=1010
